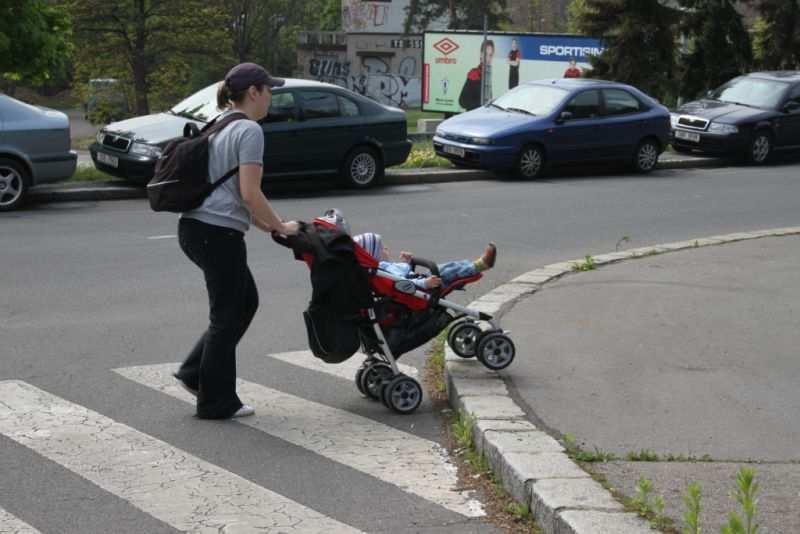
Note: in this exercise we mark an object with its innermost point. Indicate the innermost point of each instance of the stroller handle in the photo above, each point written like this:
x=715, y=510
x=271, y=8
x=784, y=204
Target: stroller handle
x=428, y=264
x=284, y=240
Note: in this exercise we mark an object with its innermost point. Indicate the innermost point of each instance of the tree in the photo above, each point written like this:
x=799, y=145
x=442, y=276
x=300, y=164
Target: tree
x=150, y=43
x=35, y=41
x=461, y=14
x=778, y=41
x=639, y=43
x=575, y=12
x=718, y=45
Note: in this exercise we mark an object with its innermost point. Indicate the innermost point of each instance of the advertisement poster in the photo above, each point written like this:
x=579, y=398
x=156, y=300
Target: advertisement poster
x=452, y=73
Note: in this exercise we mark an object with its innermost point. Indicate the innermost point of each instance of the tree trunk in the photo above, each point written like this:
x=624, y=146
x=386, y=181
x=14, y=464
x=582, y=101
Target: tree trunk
x=139, y=63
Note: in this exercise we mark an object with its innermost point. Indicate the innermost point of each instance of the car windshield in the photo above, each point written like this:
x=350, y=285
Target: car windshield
x=755, y=92
x=201, y=106
x=531, y=99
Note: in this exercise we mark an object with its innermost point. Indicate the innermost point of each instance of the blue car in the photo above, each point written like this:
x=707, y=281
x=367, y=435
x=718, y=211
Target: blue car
x=557, y=121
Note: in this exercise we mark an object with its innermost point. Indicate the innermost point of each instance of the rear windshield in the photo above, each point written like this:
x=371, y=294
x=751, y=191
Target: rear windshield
x=755, y=92
x=533, y=99
x=201, y=106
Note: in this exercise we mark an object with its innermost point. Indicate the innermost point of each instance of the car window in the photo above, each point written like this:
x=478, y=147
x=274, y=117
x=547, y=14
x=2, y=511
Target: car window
x=282, y=108
x=794, y=95
x=585, y=105
x=533, y=99
x=752, y=91
x=621, y=102
x=348, y=107
x=319, y=105
x=201, y=106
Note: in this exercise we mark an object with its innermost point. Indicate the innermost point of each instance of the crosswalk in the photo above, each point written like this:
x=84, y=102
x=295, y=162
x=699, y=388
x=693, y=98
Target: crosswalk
x=191, y=494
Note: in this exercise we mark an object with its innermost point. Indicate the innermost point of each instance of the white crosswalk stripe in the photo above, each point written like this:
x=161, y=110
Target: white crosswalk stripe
x=415, y=465
x=13, y=525
x=173, y=486
x=347, y=369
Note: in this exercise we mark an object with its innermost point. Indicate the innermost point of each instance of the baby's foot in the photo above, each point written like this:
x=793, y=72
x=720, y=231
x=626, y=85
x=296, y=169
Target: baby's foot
x=489, y=255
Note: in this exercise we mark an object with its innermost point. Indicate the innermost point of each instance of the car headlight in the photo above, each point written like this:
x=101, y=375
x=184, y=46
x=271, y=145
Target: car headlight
x=145, y=150
x=439, y=133
x=716, y=127
x=480, y=141
x=100, y=136
x=673, y=119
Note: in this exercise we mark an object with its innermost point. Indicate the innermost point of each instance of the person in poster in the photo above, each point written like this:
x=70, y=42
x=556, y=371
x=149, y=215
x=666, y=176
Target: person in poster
x=514, y=58
x=573, y=71
x=470, y=97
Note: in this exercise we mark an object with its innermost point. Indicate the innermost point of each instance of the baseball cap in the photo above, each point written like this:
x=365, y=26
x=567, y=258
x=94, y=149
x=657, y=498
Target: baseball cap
x=244, y=75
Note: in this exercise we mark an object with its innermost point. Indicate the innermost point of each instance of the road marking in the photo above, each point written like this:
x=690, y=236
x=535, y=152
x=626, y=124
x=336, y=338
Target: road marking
x=13, y=525
x=347, y=369
x=173, y=486
x=169, y=236
x=415, y=465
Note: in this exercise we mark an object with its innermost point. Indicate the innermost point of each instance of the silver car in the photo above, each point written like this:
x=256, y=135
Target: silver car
x=34, y=149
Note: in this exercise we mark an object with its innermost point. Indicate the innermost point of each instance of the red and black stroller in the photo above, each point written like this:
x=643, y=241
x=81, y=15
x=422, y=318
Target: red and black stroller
x=355, y=305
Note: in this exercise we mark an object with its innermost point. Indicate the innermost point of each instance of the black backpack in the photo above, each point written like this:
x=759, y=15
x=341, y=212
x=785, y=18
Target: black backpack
x=180, y=182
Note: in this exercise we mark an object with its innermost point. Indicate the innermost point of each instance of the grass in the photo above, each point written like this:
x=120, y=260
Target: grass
x=412, y=115
x=83, y=143
x=434, y=368
x=87, y=173
x=422, y=155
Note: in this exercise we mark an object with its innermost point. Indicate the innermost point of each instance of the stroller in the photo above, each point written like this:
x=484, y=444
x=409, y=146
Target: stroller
x=355, y=305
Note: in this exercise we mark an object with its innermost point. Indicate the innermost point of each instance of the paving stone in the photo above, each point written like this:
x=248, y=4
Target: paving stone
x=550, y=496
x=536, y=276
x=706, y=241
x=506, y=292
x=466, y=387
x=680, y=245
x=458, y=367
x=596, y=522
x=534, y=442
x=787, y=231
x=487, y=307
x=518, y=471
x=505, y=425
x=490, y=407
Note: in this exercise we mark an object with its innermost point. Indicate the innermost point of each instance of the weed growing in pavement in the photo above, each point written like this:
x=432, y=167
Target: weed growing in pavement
x=745, y=495
x=648, y=506
x=434, y=367
x=696, y=244
x=518, y=510
x=623, y=239
x=644, y=455
x=693, y=508
x=586, y=265
x=576, y=453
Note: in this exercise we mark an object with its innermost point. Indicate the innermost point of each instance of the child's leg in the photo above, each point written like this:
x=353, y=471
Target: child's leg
x=452, y=270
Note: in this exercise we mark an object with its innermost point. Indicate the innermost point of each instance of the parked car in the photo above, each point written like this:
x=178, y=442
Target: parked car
x=557, y=121
x=750, y=117
x=311, y=128
x=34, y=149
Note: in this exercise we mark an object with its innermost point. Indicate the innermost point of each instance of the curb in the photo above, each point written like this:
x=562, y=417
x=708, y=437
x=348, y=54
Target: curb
x=534, y=467
x=120, y=190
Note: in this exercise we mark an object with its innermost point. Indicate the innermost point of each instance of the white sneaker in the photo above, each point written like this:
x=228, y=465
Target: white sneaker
x=244, y=411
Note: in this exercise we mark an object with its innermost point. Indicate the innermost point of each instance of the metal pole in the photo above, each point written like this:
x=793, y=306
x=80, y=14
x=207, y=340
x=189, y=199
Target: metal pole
x=483, y=58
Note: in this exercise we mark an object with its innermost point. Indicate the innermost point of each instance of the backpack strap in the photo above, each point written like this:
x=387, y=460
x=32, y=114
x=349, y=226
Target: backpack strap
x=215, y=126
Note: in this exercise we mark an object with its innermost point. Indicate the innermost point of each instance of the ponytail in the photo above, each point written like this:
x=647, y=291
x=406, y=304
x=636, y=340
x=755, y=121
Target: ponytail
x=223, y=96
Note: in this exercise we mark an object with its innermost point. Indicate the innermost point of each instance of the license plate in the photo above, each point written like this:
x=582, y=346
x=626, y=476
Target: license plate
x=687, y=136
x=111, y=161
x=454, y=150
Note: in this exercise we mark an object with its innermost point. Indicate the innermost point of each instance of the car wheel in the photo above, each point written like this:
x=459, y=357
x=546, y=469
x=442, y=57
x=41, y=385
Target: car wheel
x=13, y=184
x=530, y=162
x=645, y=158
x=362, y=168
x=760, y=148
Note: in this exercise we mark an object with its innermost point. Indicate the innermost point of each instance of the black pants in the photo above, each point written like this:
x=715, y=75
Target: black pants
x=233, y=299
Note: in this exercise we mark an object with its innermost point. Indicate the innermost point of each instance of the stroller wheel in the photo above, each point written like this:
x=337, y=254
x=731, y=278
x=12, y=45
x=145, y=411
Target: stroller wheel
x=403, y=394
x=373, y=377
x=463, y=339
x=496, y=351
x=359, y=375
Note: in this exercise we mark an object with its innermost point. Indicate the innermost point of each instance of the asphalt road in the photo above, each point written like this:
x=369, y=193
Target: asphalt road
x=87, y=288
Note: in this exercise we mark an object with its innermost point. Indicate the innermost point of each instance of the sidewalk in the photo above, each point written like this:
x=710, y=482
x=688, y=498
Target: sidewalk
x=689, y=356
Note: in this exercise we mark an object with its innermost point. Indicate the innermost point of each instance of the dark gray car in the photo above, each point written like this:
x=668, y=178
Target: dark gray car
x=34, y=149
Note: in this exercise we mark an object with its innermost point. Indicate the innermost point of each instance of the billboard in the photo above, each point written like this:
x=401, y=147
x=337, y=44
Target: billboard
x=452, y=73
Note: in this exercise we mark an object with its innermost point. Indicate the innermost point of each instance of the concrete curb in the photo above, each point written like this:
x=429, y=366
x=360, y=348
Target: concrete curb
x=533, y=466
x=120, y=190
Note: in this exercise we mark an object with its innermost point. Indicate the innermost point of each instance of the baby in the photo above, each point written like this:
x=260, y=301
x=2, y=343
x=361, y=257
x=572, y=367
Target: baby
x=448, y=272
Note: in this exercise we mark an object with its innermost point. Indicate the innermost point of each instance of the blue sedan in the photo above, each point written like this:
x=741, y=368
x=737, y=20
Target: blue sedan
x=557, y=121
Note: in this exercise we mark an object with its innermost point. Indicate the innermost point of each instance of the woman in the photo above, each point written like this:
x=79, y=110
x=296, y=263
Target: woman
x=212, y=236
x=514, y=58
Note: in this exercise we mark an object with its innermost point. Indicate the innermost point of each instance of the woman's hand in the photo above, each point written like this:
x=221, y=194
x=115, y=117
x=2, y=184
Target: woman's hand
x=289, y=228
x=433, y=281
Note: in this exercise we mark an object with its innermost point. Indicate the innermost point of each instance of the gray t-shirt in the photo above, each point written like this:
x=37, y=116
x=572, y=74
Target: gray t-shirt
x=239, y=143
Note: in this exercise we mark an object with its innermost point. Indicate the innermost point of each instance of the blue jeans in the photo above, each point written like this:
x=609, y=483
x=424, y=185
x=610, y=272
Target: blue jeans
x=452, y=270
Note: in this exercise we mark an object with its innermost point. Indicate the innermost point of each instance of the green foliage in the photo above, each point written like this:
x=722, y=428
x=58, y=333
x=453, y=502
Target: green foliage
x=586, y=265
x=644, y=455
x=718, y=45
x=578, y=454
x=623, y=239
x=422, y=155
x=777, y=34
x=639, y=41
x=649, y=506
x=35, y=43
x=691, y=517
x=576, y=11
x=462, y=429
x=461, y=14
x=745, y=495
x=518, y=510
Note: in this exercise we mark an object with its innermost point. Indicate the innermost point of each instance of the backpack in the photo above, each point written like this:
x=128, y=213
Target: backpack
x=181, y=182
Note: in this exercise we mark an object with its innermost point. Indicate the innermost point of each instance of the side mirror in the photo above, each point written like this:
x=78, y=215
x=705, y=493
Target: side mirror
x=563, y=116
x=791, y=106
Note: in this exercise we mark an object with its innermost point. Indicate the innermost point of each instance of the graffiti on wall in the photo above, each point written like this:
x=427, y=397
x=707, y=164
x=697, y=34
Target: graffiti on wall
x=376, y=16
x=375, y=80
